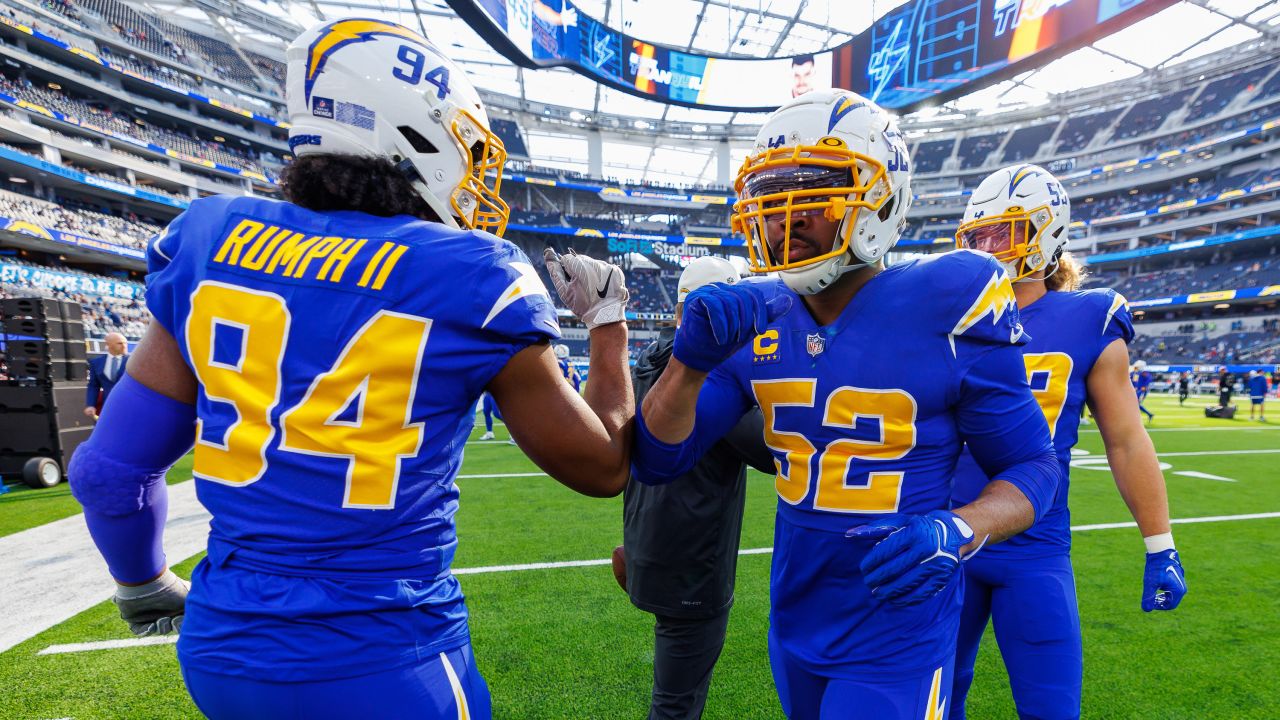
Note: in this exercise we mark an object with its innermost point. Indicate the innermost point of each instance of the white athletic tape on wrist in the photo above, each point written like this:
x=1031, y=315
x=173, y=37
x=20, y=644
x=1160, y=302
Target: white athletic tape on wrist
x=1159, y=543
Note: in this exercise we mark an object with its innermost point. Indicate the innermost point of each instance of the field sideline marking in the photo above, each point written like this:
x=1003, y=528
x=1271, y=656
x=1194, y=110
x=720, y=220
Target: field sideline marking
x=169, y=639
x=1197, y=453
x=1093, y=429
x=767, y=550
x=109, y=644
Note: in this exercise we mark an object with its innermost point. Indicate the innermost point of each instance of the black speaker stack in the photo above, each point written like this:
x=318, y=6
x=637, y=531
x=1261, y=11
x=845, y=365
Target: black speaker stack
x=45, y=372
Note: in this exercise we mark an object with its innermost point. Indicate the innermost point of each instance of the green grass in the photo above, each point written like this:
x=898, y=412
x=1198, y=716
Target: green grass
x=23, y=508
x=565, y=643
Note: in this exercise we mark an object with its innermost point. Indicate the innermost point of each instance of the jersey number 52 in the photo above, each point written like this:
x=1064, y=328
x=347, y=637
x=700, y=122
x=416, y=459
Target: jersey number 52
x=881, y=490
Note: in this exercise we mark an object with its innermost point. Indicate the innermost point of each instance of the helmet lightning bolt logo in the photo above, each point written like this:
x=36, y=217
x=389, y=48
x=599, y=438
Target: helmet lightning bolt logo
x=995, y=300
x=346, y=32
x=1019, y=175
x=845, y=106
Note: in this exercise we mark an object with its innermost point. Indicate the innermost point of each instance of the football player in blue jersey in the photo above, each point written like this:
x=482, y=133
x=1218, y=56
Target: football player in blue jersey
x=1141, y=379
x=1077, y=354
x=567, y=368
x=1258, y=388
x=490, y=409
x=324, y=355
x=870, y=380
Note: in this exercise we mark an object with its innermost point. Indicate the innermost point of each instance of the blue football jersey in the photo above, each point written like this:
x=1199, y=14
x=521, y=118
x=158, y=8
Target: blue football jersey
x=1258, y=386
x=340, y=357
x=1068, y=330
x=1142, y=381
x=867, y=416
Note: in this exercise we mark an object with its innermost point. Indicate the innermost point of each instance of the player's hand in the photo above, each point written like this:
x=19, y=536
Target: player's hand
x=91, y=412
x=1163, y=581
x=917, y=557
x=155, y=608
x=594, y=290
x=719, y=319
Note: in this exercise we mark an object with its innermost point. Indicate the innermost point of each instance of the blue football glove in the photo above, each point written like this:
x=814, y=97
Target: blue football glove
x=719, y=319
x=917, y=556
x=1163, y=582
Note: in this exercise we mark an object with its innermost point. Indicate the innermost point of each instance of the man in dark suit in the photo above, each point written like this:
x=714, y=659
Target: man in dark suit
x=104, y=372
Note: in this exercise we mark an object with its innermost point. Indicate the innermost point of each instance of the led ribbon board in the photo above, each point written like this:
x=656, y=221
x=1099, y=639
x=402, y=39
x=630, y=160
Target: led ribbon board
x=922, y=51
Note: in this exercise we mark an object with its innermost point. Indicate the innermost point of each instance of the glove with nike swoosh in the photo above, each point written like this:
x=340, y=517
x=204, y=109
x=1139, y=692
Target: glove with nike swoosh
x=916, y=557
x=594, y=290
x=1163, y=581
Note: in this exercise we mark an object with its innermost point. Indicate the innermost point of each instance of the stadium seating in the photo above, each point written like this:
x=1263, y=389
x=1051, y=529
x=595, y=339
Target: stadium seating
x=1024, y=142
x=975, y=150
x=1148, y=115
x=129, y=24
x=132, y=232
x=509, y=132
x=930, y=155
x=122, y=123
x=1217, y=94
x=1081, y=129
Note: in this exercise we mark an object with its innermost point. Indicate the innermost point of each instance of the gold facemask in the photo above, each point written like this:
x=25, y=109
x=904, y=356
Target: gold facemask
x=1013, y=235
x=752, y=214
x=474, y=202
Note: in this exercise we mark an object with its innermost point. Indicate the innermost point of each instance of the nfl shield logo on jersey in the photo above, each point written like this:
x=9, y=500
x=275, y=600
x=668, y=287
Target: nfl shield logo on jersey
x=815, y=344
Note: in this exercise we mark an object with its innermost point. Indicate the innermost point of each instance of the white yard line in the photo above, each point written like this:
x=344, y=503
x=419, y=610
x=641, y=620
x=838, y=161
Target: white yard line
x=1202, y=476
x=1200, y=453
x=109, y=645
x=767, y=550
x=1093, y=429
x=503, y=475
x=58, y=564
x=116, y=644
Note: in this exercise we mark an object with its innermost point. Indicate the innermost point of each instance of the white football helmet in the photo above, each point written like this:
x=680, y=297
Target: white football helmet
x=1020, y=215
x=562, y=352
x=1139, y=365
x=704, y=271
x=831, y=153
x=371, y=87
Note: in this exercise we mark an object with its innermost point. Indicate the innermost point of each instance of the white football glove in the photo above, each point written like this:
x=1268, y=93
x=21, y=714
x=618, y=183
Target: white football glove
x=155, y=608
x=594, y=290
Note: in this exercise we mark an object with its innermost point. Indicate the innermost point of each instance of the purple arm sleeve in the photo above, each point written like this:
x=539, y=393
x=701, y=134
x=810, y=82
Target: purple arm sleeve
x=118, y=476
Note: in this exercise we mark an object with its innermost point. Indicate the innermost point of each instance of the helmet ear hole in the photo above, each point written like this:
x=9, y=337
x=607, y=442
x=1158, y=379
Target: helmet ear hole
x=887, y=209
x=416, y=140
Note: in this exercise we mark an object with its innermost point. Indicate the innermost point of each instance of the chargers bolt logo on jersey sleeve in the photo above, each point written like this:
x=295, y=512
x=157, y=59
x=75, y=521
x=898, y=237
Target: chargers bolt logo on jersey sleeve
x=995, y=300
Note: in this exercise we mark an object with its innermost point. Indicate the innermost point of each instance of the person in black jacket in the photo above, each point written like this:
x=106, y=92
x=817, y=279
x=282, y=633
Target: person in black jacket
x=680, y=541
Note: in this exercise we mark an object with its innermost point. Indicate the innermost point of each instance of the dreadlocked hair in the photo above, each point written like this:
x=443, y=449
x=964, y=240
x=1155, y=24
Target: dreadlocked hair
x=1067, y=276
x=363, y=183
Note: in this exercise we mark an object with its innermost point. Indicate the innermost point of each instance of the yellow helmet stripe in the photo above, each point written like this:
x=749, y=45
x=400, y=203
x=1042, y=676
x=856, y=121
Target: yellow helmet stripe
x=345, y=32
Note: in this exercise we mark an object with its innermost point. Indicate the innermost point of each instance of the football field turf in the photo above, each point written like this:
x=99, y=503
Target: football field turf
x=558, y=640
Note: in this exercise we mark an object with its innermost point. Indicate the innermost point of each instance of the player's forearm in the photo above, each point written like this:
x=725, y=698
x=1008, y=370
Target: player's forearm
x=610, y=397
x=671, y=407
x=999, y=512
x=1138, y=478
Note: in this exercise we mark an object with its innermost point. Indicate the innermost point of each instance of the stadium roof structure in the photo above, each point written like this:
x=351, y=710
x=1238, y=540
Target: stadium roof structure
x=744, y=28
